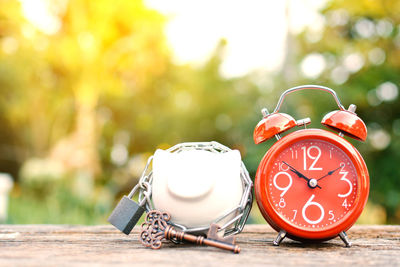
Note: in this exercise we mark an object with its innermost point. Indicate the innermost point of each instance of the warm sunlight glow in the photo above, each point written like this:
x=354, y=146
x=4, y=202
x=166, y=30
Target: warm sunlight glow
x=39, y=14
x=255, y=30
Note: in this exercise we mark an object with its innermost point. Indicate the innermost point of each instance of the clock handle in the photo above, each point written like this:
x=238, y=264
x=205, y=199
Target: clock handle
x=304, y=87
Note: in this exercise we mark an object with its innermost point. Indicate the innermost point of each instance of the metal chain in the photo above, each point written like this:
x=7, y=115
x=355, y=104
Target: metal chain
x=145, y=186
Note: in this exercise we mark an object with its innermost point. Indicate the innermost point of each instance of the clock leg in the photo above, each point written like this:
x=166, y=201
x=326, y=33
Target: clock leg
x=345, y=238
x=279, y=237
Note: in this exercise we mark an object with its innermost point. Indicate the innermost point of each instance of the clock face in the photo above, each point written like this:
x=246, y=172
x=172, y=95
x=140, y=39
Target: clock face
x=312, y=184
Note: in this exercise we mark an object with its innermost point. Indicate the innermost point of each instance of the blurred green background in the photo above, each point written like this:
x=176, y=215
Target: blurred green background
x=83, y=105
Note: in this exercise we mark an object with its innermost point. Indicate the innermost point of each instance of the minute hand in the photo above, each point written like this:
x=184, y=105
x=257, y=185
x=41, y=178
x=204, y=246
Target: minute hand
x=330, y=173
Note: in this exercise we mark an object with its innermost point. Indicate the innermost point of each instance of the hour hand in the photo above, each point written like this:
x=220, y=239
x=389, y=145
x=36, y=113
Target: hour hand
x=299, y=174
x=311, y=182
x=296, y=172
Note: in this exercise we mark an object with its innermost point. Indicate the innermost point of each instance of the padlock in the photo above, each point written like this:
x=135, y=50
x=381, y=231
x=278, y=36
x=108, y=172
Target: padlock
x=127, y=213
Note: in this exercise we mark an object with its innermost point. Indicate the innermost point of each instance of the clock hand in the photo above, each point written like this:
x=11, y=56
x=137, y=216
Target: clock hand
x=331, y=172
x=296, y=172
x=299, y=174
x=311, y=182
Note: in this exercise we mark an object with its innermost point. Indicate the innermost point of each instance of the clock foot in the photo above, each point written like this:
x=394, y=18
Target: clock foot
x=345, y=239
x=279, y=237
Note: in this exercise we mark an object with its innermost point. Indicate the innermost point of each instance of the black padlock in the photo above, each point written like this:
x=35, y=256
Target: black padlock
x=127, y=213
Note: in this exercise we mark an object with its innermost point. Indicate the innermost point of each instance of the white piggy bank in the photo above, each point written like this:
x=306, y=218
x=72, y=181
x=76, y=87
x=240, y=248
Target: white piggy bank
x=196, y=187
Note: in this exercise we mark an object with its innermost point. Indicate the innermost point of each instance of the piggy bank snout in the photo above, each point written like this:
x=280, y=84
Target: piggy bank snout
x=190, y=187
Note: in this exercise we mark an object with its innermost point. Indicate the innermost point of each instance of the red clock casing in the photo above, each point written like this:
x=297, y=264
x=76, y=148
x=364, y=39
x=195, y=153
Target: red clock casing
x=280, y=222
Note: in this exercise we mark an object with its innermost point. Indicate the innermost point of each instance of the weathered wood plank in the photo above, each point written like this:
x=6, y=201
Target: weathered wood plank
x=61, y=245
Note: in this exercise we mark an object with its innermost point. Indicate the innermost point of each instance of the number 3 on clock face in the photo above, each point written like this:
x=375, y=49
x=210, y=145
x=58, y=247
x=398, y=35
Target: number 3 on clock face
x=310, y=186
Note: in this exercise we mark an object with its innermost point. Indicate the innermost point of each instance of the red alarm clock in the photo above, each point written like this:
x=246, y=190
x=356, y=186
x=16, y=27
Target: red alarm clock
x=312, y=184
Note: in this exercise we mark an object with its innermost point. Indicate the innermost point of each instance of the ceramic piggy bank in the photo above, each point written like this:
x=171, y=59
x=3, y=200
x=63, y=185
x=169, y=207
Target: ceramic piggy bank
x=198, y=187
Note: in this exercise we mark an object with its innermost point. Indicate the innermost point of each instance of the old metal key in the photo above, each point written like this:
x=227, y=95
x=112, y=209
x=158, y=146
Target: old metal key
x=156, y=228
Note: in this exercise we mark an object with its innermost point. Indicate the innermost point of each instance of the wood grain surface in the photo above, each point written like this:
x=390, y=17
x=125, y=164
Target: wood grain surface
x=64, y=245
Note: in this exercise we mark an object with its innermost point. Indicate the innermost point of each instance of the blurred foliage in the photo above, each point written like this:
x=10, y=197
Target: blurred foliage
x=84, y=106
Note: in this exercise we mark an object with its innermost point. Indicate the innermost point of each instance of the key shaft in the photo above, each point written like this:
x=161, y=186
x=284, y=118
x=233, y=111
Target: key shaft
x=170, y=233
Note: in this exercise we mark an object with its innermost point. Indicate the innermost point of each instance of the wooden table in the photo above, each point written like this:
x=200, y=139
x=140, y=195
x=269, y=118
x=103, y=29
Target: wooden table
x=62, y=245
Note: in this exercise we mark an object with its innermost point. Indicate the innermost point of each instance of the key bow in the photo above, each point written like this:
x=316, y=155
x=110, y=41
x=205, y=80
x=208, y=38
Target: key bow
x=153, y=228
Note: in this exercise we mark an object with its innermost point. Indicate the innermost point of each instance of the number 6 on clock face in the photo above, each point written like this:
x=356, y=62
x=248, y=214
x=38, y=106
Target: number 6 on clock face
x=308, y=204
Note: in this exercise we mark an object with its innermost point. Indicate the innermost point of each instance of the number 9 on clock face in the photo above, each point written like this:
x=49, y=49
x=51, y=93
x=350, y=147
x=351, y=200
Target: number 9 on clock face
x=311, y=185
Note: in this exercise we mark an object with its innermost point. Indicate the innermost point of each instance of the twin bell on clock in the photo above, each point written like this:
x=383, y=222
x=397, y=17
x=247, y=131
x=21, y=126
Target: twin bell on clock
x=311, y=185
